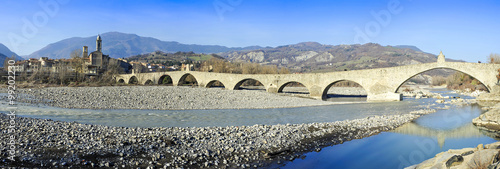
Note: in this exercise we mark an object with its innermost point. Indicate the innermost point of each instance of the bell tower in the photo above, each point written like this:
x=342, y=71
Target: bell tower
x=441, y=57
x=98, y=43
x=85, y=52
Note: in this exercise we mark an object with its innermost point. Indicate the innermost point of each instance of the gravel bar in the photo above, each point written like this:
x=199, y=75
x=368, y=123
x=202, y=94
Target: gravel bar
x=160, y=98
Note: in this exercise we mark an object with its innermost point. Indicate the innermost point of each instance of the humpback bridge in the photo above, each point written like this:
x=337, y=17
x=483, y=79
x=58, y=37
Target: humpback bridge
x=380, y=84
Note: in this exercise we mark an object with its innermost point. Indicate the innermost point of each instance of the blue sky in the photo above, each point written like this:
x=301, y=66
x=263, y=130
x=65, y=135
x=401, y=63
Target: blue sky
x=467, y=30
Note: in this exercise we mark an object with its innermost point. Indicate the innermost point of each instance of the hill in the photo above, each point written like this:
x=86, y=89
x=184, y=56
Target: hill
x=408, y=47
x=316, y=57
x=170, y=59
x=120, y=45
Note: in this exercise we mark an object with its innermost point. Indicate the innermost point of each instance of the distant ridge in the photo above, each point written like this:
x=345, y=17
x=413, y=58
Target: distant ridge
x=316, y=57
x=408, y=47
x=120, y=45
x=7, y=53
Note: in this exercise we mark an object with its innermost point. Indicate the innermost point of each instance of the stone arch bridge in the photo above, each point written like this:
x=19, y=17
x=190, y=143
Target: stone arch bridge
x=380, y=84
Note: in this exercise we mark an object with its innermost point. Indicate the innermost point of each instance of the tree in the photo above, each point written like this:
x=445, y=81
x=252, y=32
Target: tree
x=62, y=71
x=6, y=62
x=498, y=75
x=139, y=68
x=494, y=58
x=77, y=63
x=284, y=70
x=112, y=70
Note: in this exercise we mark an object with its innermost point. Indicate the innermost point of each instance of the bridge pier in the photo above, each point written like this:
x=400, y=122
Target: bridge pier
x=316, y=92
x=272, y=88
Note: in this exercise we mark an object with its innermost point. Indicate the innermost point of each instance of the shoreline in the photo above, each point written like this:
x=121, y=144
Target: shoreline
x=225, y=147
x=88, y=146
x=481, y=156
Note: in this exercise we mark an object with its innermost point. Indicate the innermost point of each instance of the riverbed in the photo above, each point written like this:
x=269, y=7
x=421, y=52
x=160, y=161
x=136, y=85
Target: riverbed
x=395, y=149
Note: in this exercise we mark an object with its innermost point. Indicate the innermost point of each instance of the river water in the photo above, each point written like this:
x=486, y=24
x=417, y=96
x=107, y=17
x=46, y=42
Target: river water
x=405, y=146
x=227, y=117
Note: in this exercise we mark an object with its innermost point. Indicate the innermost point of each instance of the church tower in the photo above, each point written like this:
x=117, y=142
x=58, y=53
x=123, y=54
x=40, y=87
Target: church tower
x=441, y=57
x=85, y=52
x=98, y=43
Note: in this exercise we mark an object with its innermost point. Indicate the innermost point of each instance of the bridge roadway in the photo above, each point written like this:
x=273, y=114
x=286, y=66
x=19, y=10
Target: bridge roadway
x=380, y=84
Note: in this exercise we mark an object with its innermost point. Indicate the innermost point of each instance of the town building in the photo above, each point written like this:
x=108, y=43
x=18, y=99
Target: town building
x=95, y=62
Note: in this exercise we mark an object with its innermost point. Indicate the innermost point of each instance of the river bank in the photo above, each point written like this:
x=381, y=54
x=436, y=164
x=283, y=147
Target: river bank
x=482, y=156
x=47, y=143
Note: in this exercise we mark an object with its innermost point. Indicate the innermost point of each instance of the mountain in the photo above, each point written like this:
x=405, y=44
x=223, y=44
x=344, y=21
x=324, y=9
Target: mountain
x=5, y=53
x=408, y=47
x=120, y=45
x=316, y=57
x=171, y=58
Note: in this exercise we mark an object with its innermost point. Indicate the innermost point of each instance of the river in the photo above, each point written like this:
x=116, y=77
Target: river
x=405, y=146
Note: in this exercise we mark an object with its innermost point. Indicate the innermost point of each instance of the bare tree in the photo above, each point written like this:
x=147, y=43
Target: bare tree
x=284, y=70
x=77, y=63
x=53, y=77
x=6, y=62
x=112, y=70
x=63, y=72
x=494, y=58
x=139, y=68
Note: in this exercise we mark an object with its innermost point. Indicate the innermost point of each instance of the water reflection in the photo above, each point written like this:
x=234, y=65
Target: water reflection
x=451, y=123
x=407, y=145
x=467, y=131
x=345, y=98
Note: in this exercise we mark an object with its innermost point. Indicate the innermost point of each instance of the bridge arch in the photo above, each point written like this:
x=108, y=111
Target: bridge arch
x=165, y=80
x=327, y=88
x=280, y=89
x=133, y=80
x=248, y=80
x=449, y=68
x=187, y=79
x=148, y=82
x=121, y=81
x=215, y=83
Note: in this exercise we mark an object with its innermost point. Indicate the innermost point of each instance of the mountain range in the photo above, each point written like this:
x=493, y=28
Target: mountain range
x=5, y=53
x=121, y=45
x=301, y=57
x=316, y=57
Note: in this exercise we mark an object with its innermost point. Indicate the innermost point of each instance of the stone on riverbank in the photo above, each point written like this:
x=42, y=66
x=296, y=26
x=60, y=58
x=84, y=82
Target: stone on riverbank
x=489, y=120
x=490, y=97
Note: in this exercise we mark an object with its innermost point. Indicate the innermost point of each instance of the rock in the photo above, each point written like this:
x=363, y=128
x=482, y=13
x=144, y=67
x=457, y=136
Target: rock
x=493, y=146
x=464, y=158
x=454, y=160
x=480, y=146
x=494, y=166
x=489, y=120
